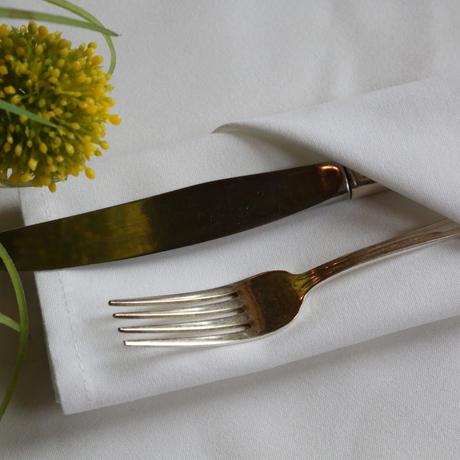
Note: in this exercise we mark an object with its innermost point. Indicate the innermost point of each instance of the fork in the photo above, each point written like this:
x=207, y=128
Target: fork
x=258, y=306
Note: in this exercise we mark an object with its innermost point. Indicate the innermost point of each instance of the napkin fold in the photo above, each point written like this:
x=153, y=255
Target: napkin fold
x=404, y=137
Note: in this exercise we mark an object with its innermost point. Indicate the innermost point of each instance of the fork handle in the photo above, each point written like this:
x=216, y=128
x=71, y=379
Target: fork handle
x=430, y=234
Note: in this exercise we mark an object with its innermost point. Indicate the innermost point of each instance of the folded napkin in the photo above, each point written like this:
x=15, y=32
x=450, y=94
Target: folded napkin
x=404, y=137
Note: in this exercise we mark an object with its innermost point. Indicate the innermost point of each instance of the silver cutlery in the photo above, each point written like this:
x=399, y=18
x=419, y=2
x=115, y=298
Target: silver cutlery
x=257, y=306
x=181, y=217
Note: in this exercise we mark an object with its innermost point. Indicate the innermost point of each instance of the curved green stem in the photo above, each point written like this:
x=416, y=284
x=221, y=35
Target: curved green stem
x=36, y=15
x=69, y=6
x=23, y=326
x=7, y=321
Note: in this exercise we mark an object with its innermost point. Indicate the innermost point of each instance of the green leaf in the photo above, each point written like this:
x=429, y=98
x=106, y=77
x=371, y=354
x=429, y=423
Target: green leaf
x=7, y=321
x=23, y=326
x=89, y=17
x=35, y=15
x=19, y=111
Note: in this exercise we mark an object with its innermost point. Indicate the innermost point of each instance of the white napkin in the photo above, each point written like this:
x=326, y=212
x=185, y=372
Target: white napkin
x=405, y=137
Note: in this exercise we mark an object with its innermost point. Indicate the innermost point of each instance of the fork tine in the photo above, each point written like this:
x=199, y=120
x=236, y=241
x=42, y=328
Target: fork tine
x=210, y=340
x=239, y=320
x=211, y=309
x=189, y=297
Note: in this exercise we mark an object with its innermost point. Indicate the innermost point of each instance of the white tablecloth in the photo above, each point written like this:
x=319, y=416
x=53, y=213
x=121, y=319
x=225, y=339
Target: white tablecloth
x=183, y=71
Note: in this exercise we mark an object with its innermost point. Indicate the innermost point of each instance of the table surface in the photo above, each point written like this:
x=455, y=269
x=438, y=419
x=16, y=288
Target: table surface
x=187, y=68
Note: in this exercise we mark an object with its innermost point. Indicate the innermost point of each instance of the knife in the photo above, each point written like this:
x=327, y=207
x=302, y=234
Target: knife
x=181, y=217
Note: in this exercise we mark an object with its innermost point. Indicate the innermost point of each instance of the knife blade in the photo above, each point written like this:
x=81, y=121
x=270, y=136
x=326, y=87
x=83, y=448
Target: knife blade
x=181, y=217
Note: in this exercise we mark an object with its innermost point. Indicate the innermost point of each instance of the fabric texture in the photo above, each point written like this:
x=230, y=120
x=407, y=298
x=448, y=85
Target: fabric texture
x=289, y=83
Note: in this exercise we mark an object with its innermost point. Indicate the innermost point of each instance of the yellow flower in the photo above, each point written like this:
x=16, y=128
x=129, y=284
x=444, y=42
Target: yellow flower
x=40, y=72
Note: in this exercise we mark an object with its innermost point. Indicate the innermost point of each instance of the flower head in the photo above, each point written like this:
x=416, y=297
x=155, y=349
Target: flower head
x=40, y=72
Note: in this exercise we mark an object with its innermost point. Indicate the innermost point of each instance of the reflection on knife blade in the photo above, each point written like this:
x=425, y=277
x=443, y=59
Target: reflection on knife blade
x=181, y=217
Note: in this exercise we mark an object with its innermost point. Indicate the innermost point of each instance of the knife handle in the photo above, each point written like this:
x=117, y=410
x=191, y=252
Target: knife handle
x=360, y=185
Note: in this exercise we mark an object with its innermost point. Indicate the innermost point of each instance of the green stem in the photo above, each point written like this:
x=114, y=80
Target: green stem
x=37, y=16
x=7, y=184
x=20, y=111
x=69, y=6
x=7, y=321
x=23, y=324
